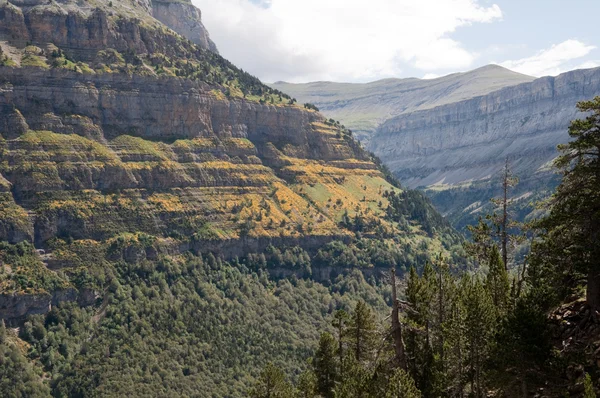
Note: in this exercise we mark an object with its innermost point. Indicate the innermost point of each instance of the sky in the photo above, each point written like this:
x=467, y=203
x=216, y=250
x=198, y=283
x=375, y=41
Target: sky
x=366, y=40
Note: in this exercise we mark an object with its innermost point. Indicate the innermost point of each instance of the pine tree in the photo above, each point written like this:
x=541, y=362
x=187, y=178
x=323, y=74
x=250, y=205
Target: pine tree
x=340, y=321
x=356, y=380
x=399, y=348
x=272, y=384
x=401, y=385
x=479, y=319
x=444, y=294
x=420, y=294
x=571, y=242
x=497, y=283
x=503, y=222
x=482, y=239
x=307, y=385
x=361, y=331
x=496, y=229
x=456, y=339
x=325, y=365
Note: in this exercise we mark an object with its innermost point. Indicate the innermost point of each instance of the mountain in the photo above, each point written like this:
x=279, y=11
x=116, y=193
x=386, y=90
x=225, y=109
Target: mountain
x=452, y=135
x=120, y=126
x=364, y=107
x=168, y=223
x=456, y=150
x=185, y=19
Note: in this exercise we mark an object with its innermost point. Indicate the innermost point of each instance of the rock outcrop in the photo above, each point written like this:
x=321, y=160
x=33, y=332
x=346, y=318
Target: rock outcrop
x=469, y=140
x=14, y=308
x=83, y=30
x=185, y=19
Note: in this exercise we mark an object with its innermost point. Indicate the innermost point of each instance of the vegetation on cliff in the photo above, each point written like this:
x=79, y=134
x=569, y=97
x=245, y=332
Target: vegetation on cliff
x=215, y=234
x=154, y=51
x=490, y=333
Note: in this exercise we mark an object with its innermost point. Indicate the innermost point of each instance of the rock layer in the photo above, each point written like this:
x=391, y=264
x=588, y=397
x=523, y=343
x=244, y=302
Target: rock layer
x=469, y=140
x=97, y=134
x=82, y=31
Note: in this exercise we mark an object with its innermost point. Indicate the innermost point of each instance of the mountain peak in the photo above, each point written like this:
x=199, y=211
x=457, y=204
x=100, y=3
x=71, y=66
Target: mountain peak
x=184, y=18
x=495, y=68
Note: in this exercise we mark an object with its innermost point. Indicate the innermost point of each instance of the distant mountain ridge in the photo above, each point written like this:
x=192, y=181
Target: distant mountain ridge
x=468, y=140
x=363, y=107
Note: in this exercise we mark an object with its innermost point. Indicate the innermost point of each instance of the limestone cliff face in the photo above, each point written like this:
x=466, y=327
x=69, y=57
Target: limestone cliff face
x=114, y=132
x=122, y=141
x=184, y=19
x=469, y=140
x=164, y=109
x=84, y=30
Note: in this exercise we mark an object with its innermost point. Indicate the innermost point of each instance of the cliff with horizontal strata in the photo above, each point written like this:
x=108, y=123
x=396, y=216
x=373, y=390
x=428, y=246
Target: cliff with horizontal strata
x=469, y=140
x=123, y=141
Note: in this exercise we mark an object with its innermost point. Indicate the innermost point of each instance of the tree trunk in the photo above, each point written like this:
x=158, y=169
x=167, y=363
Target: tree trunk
x=397, y=327
x=593, y=291
x=441, y=316
x=341, y=348
x=504, y=226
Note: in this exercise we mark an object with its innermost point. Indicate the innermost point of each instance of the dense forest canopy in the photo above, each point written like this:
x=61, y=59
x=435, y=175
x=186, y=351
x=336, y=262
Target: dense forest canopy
x=213, y=264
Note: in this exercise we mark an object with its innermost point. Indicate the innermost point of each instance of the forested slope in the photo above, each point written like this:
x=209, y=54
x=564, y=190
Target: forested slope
x=153, y=198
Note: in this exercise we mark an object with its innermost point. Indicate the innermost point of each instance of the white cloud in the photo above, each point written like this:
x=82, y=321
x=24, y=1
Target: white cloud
x=552, y=61
x=588, y=64
x=356, y=40
x=429, y=76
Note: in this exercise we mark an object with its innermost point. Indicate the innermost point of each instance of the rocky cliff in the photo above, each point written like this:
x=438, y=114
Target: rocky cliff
x=122, y=141
x=125, y=25
x=469, y=140
x=158, y=139
x=185, y=19
x=457, y=150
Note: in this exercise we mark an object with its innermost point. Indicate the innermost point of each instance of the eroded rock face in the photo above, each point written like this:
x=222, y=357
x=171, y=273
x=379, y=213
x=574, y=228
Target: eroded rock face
x=164, y=109
x=106, y=133
x=79, y=29
x=83, y=31
x=13, y=22
x=185, y=19
x=469, y=140
x=12, y=122
x=15, y=308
